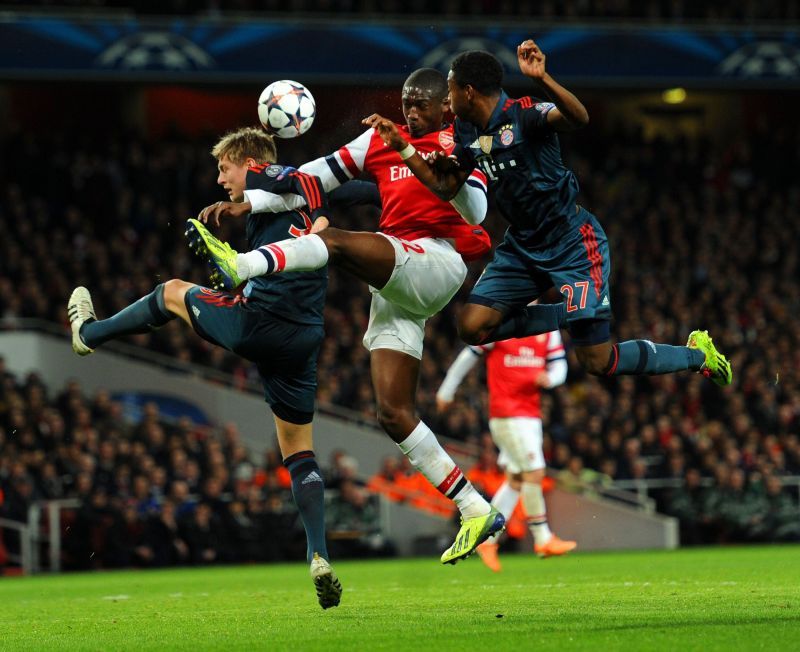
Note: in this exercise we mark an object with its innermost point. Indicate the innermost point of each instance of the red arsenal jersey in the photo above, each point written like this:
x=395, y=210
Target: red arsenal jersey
x=512, y=367
x=410, y=210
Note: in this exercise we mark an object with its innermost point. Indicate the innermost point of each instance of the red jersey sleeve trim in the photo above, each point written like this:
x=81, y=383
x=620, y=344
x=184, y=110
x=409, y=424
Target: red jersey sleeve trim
x=348, y=162
x=479, y=178
x=555, y=345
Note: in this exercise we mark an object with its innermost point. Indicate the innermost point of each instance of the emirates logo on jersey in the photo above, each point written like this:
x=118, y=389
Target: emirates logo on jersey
x=526, y=358
x=446, y=139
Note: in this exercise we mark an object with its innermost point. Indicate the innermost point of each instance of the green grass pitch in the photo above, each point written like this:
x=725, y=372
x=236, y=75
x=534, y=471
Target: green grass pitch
x=702, y=599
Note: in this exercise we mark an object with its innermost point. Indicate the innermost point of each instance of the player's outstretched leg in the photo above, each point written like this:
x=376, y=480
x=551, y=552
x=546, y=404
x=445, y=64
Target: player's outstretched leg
x=716, y=366
x=229, y=269
x=142, y=316
x=329, y=589
x=220, y=256
x=80, y=310
x=643, y=357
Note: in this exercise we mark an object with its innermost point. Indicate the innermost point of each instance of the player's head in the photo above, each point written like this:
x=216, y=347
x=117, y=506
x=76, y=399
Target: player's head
x=238, y=150
x=475, y=76
x=425, y=102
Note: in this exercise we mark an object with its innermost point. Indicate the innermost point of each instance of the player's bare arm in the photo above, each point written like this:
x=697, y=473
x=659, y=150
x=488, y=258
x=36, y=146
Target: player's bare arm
x=222, y=209
x=569, y=113
x=439, y=174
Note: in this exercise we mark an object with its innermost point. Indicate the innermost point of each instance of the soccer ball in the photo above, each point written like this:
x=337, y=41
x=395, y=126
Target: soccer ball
x=286, y=109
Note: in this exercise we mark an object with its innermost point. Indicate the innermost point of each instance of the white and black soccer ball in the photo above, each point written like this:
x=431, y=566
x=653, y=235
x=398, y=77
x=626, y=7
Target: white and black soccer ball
x=286, y=109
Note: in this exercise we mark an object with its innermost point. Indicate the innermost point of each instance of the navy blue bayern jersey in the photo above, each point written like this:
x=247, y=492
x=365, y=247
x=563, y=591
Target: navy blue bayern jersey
x=296, y=296
x=521, y=157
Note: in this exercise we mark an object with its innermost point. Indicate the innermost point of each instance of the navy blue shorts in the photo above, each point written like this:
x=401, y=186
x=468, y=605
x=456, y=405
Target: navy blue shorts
x=577, y=265
x=285, y=352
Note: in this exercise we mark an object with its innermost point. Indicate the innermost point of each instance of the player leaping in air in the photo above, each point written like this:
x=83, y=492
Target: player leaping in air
x=414, y=266
x=517, y=370
x=277, y=323
x=551, y=241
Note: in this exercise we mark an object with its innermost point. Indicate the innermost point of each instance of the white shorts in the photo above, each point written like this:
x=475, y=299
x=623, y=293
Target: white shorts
x=520, y=442
x=427, y=274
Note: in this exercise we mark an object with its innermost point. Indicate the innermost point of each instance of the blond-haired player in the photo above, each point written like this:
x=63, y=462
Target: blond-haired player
x=275, y=323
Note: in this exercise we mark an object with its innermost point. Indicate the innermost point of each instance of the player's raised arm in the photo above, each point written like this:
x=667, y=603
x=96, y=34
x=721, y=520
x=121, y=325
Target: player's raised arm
x=461, y=366
x=568, y=113
x=253, y=201
x=442, y=176
x=333, y=170
x=214, y=213
x=288, y=180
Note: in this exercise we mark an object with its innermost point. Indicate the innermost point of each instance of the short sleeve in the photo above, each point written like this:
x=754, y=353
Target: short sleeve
x=534, y=118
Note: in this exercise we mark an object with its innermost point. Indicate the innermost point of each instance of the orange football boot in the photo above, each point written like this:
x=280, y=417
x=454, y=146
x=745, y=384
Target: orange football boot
x=488, y=554
x=554, y=547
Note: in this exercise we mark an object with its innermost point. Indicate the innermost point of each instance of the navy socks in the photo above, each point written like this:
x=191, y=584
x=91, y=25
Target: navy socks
x=531, y=320
x=637, y=357
x=147, y=313
x=308, y=490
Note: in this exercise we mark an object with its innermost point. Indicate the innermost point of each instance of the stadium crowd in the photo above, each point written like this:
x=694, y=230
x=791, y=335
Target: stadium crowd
x=569, y=10
x=699, y=238
x=150, y=492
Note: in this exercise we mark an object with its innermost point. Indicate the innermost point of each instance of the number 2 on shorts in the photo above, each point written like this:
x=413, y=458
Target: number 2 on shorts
x=410, y=246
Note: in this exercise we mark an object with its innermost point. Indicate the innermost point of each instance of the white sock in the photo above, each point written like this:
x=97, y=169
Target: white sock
x=535, y=508
x=504, y=501
x=302, y=254
x=429, y=458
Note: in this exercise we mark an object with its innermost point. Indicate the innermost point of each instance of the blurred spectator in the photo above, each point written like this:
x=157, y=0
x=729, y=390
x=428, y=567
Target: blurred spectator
x=162, y=544
x=486, y=475
x=686, y=504
x=740, y=508
x=384, y=481
x=204, y=541
x=780, y=514
x=184, y=503
x=353, y=522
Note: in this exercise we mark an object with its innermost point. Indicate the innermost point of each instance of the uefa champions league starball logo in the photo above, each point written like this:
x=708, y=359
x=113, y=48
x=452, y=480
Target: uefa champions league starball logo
x=442, y=55
x=155, y=51
x=763, y=59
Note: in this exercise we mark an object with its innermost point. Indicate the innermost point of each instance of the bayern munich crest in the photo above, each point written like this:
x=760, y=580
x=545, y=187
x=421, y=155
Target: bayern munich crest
x=507, y=137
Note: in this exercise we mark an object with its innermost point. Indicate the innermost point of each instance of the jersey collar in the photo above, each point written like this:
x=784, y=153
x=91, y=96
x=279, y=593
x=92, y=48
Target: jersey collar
x=498, y=115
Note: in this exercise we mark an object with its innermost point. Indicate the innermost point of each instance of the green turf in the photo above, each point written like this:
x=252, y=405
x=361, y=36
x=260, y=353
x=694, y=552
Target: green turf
x=709, y=599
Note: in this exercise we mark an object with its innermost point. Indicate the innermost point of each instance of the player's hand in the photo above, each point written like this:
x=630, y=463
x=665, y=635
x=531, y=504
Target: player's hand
x=443, y=405
x=320, y=224
x=447, y=169
x=543, y=380
x=387, y=130
x=221, y=209
x=442, y=163
x=531, y=60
